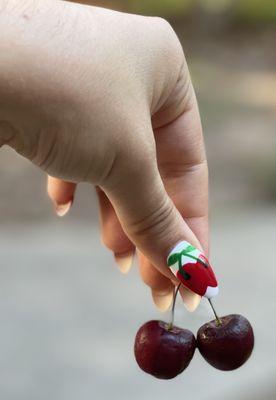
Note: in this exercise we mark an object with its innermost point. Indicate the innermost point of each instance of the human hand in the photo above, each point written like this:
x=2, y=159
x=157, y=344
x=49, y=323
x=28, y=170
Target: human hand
x=106, y=98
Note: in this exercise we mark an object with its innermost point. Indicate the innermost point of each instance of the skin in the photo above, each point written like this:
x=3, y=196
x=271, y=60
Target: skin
x=93, y=95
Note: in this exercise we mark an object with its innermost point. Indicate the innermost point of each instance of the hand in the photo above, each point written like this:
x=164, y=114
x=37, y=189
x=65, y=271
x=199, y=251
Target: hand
x=94, y=95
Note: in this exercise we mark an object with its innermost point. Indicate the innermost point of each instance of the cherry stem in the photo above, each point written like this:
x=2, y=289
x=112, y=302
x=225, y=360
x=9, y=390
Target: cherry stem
x=215, y=313
x=173, y=306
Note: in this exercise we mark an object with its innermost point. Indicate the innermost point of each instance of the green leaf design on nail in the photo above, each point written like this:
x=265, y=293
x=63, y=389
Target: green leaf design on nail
x=176, y=257
x=173, y=258
x=188, y=249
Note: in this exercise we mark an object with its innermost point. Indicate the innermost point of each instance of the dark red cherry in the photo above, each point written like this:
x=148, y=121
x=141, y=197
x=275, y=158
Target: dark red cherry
x=163, y=351
x=228, y=345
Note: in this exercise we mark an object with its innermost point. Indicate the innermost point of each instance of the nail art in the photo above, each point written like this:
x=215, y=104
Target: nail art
x=193, y=269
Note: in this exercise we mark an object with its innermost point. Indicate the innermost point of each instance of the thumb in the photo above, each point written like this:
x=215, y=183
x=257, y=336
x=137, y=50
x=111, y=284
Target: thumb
x=154, y=225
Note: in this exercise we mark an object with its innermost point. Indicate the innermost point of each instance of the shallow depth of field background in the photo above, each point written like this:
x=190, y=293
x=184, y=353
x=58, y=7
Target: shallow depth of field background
x=68, y=318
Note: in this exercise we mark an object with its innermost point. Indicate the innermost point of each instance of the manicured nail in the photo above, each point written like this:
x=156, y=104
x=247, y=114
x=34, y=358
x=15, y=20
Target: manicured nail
x=62, y=209
x=162, y=300
x=124, y=261
x=190, y=299
x=193, y=269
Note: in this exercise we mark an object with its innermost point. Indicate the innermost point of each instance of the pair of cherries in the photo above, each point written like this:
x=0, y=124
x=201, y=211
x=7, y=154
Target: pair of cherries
x=164, y=350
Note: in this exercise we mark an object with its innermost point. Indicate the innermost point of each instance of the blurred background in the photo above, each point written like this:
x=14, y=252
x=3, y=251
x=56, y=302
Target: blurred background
x=67, y=331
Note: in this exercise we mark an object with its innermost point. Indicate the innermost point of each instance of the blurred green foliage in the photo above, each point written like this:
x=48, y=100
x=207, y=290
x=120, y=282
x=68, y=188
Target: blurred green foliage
x=257, y=10
x=247, y=10
x=160, y=7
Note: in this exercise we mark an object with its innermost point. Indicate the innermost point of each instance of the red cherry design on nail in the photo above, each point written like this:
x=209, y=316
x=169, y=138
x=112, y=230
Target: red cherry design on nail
x=197, y=276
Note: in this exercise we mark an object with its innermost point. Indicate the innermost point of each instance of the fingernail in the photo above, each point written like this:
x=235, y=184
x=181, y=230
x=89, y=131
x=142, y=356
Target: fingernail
x=190, y=299
x=124, y=261
x=193, y=269
x=62, y=209
x=162, y=300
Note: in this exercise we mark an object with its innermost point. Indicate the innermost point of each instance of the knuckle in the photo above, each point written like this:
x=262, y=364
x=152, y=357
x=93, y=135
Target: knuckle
x=163, y=24
x=45, y=148
x=171, y=65
x=157, y=223
x=134, y=156
x=178, y=169
x=10, y=136
x=169, y=40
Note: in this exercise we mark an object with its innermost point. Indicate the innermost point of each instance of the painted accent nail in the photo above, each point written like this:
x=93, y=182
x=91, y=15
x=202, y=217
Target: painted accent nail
x=124, y=261
x=62, y=209
x=162, y=300
x=190, y=299
x=193, y=269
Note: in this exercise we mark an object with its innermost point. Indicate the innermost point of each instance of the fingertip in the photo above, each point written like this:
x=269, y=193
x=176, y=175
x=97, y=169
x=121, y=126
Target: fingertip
x=61, y=193
x=112, y=234
x=162, y=300
x=62, y=209
x=191, y=300
x=124, y=261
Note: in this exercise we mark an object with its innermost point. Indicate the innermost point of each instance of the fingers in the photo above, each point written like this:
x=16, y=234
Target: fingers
x=162, y=288
x=115, y=239
x=113, y=235
x=145, y=211
x=62, y=194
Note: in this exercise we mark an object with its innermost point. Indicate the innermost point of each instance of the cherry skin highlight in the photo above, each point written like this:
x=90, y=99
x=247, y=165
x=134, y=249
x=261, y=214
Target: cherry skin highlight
x=226, y=346
x=162, y=350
